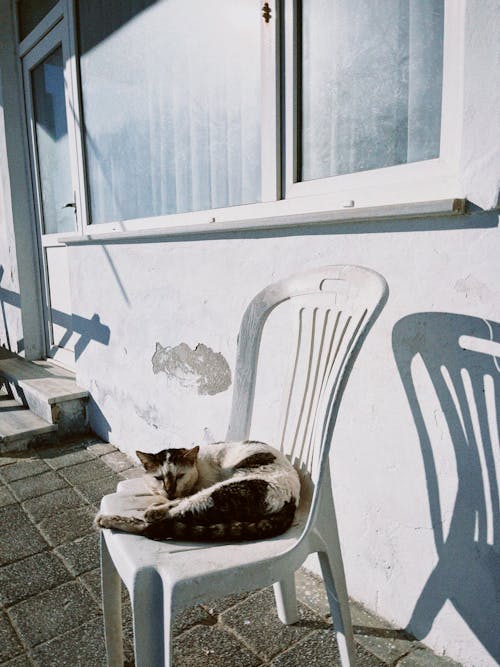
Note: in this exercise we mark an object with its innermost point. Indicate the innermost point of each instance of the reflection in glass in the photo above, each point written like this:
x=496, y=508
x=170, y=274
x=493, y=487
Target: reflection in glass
x=171, y=100
x=52, y=144
x=372, y=79
x=30, y=13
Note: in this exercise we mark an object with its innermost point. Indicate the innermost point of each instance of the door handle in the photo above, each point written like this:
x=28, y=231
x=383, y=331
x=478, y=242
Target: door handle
x=70, y=204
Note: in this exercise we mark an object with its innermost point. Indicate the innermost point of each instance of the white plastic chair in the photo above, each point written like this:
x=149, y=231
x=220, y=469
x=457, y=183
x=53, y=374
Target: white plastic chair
x=333, y=308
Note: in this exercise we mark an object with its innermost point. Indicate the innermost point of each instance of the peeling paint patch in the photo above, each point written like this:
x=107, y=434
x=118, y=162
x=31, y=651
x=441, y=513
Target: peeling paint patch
x=202, y=368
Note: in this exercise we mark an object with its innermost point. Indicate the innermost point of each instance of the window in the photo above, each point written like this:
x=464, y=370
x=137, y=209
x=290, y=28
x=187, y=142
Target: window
x=371, y=81
x=198, y=111
x=171, y=105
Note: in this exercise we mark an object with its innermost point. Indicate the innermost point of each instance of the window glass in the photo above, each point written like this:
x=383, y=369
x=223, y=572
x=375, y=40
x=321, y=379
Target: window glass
x=52, y=144
x=371, y=84
x=30, y=13
x=171, y=105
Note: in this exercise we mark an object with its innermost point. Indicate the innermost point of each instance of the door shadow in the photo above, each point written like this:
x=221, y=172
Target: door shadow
x=88, y=329
x=460, y=356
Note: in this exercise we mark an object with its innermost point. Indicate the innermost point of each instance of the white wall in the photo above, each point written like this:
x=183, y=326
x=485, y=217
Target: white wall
x=418, y=541
x=195, y=291
x=443, y=278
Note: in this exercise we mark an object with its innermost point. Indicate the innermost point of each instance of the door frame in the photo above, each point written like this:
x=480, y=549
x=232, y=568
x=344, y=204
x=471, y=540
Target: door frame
x=51, y=33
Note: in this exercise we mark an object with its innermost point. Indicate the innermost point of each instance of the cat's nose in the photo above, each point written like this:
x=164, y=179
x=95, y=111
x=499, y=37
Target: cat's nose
x=170, y=490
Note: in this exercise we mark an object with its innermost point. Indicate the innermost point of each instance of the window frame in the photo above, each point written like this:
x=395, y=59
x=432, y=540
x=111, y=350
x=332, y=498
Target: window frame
x=407, y=190
x=433, y=179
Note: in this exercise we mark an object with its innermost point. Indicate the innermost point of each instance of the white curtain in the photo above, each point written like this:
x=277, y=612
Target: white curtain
x=171, y=101
x=372, y=83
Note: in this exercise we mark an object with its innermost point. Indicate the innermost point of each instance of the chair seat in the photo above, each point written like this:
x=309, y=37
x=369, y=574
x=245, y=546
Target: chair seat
x=182, y=561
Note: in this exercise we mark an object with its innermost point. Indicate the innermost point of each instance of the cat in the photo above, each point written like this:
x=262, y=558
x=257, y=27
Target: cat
x=223, y=491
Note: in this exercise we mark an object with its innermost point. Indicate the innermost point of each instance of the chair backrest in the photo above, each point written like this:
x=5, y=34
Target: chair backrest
x=333, y=308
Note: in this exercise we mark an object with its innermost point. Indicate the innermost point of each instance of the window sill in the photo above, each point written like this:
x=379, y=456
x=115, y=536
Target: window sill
x=443, y=207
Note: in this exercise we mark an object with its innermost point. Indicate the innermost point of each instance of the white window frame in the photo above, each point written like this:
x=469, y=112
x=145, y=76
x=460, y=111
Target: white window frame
x=408, y=190
x=433, y=179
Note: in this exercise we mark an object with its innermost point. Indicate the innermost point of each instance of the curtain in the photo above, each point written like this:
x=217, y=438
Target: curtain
x=171, y=105
x=371, y=84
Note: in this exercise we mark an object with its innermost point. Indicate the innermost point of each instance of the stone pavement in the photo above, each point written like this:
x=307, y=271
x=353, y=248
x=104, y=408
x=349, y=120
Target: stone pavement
x=50, y=611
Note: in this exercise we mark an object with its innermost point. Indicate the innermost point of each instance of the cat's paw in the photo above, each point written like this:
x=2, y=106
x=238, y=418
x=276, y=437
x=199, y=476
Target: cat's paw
x=103, y=521
x=156, y=513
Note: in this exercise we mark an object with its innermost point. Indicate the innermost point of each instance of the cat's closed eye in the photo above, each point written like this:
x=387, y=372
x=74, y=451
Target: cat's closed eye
x=158, y=477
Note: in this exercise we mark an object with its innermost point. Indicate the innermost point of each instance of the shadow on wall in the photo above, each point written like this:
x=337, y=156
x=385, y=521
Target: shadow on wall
x=456, y=354
x=88, y=329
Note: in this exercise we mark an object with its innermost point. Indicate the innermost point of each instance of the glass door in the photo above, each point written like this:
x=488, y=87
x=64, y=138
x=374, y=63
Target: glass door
x=53, y=136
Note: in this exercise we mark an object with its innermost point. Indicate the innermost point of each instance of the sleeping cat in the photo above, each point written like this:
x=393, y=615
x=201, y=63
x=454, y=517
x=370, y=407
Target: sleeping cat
x=223, y=491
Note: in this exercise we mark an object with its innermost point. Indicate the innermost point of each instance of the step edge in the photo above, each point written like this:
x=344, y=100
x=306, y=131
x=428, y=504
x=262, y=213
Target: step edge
x=39, y=430
x=52, y=398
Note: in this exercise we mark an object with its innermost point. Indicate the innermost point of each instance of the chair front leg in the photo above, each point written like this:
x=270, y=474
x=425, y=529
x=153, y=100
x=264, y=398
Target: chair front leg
x=112, y=607
x=152, y=618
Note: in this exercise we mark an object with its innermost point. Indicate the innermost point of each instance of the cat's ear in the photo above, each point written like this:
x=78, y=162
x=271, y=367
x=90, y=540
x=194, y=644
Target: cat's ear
x=191, y=455
x=149, y=460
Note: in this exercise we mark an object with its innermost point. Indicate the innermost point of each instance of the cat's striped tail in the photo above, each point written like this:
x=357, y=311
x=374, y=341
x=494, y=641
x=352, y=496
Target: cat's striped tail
x=233, y=530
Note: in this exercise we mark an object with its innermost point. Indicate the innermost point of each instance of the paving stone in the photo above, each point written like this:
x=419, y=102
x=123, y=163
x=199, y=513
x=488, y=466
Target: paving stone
x=84, y=472
x=81, y=555
x=82, y=647
x=21, y=469
x=92, y=581
x=30, y=487
x=10, y=645
x=132, y=473
x=21, y=661
x=51, y=503
x=52, y=613
x=18, y=536
x=31, y=576
x=6, y=497
x=67, y=525
x=423, y=657
x=94, y=490
x=211, y=645
x=190, y=617
x=217, y=606
x=62, y=458
x=320, y=649
x=378, y=637
x=311, y=591
x=8, y=460
x=118, y=461
x=257, y=622
x=100, y=448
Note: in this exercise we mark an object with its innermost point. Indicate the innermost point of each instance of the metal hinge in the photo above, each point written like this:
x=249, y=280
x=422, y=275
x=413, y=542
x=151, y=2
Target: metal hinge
x=266, y=12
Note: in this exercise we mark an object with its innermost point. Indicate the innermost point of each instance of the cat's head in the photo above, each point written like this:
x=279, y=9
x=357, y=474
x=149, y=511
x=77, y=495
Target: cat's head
x=172, y=472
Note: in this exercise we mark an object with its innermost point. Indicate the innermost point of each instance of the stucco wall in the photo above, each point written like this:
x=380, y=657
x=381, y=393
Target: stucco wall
x=417, y=530
x=195, y=290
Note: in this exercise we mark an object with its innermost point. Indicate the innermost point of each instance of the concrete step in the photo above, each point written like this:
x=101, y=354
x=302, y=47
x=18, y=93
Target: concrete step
x=48, y=390
x=20, y=429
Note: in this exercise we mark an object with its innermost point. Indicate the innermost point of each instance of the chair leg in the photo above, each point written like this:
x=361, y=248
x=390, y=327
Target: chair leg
x=334, y=578
x=286, y=600
x=151, y=611
x=112, y=608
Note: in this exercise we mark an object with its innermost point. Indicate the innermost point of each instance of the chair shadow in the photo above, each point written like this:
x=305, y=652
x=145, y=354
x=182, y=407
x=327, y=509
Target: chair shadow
x=462, y=363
